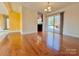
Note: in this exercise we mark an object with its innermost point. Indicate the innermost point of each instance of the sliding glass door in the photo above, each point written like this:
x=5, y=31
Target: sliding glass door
x=51, y=23
x=54, y=23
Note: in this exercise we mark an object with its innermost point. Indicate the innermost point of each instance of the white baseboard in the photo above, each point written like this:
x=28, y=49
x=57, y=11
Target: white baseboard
x=72, y=35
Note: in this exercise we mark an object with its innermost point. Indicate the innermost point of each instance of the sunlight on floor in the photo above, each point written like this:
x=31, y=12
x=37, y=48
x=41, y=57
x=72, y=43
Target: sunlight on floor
x=3, y=34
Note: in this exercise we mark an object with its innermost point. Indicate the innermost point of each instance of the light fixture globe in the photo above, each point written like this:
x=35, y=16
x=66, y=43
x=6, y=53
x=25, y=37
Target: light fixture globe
x=48, y=9
x=45, y=9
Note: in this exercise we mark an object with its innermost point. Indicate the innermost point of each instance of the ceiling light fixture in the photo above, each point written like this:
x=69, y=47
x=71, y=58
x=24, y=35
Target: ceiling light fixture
x=48, y=9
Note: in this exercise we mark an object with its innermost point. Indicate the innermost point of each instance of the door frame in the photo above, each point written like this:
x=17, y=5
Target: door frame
x=61, y=21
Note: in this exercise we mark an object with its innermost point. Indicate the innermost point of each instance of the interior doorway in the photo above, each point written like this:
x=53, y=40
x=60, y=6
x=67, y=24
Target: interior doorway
x=4, y=30
x=40, y=22
x=6, y=22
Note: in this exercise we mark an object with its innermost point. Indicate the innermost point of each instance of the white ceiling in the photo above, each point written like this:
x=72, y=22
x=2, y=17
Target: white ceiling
x=16, y=6
x=39, y=6
x=3, y=9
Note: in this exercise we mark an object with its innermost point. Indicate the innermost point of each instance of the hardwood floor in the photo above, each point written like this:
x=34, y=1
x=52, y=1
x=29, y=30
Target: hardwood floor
x=39, y=44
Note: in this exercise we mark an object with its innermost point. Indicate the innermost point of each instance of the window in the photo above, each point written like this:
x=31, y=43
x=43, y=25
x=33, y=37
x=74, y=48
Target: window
x=8, y=23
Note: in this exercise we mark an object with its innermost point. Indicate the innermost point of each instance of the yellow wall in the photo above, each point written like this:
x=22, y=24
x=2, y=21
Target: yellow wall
x=14, y=21
x=1, y=21
x=14, y=17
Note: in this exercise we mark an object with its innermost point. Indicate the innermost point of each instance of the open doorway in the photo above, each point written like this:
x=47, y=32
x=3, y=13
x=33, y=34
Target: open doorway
x=40, y=22
x=4, y=29
x=6, y=23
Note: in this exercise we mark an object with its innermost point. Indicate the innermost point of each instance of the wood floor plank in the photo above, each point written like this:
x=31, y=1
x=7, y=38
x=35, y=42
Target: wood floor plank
x=38, y=44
